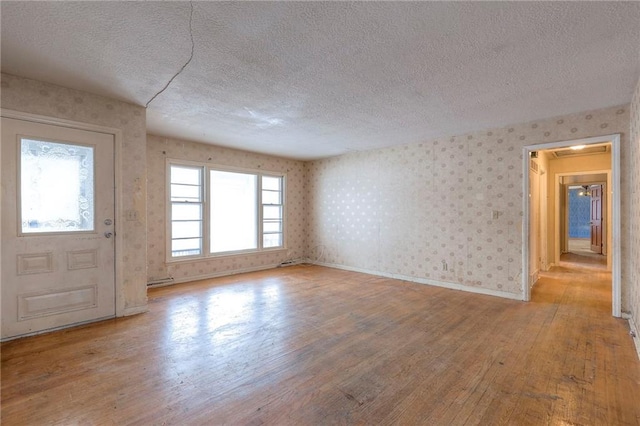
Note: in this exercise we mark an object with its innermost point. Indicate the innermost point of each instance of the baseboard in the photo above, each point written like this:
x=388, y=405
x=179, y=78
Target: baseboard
x=221, y=274
x=52, y=329
x=533, y=277
x=135, y=310
x=426, y=281
x=635, y=331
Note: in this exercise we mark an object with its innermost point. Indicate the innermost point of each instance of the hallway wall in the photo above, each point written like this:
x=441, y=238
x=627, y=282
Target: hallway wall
x=579, y=214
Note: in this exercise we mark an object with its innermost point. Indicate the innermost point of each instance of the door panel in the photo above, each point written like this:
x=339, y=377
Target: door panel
x=58, y=250
x=596, y=218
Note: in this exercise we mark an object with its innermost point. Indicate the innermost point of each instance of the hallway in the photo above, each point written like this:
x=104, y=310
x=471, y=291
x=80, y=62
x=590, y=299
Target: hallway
x=580, y=282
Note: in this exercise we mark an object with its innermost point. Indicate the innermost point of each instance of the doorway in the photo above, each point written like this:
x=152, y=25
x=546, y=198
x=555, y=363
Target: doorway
x=585, y=234
x=58, y=227
x=585, y=156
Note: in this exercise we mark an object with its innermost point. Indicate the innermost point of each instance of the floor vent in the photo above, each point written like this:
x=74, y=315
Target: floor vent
x=160, y=282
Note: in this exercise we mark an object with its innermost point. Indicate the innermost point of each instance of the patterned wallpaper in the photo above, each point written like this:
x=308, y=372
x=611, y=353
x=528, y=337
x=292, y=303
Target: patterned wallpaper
x=160, y=148
x=579, y=214
x=40, y=98
x=425, y=211
x=634, y=217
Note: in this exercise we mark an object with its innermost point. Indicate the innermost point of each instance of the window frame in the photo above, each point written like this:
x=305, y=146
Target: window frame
x=205, y=168
x=169, y=210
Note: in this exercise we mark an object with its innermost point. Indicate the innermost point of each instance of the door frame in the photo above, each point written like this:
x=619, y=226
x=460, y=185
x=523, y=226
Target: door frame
x=117, y=146
x=565, y=218
x=614, y=214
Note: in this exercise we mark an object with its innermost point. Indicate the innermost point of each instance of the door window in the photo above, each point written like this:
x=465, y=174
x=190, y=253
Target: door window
x=57, y=192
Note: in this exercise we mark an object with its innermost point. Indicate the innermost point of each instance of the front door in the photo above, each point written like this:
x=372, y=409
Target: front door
x=596, y=218
x=58, y=247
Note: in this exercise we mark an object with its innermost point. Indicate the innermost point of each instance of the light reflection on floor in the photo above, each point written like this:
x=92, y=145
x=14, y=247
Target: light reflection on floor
x=221, y=325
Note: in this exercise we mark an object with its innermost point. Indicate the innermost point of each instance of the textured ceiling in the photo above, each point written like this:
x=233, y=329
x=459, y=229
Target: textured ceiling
x=314, y=79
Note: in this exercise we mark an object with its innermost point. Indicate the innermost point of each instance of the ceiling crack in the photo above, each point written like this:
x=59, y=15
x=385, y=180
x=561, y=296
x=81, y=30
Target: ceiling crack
x=185, y=64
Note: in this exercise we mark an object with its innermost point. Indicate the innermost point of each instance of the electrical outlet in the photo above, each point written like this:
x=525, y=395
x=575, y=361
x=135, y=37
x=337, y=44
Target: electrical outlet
x=132, y=215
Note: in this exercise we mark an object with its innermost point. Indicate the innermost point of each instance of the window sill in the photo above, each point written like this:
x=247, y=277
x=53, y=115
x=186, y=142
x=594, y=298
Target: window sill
x=226, y=255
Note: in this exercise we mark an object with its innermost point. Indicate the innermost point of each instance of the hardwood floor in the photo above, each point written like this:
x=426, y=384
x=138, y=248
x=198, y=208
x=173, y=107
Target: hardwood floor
x=313, y=345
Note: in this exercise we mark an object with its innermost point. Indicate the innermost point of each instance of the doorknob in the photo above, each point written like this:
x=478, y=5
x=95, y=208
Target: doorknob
x=108, y=234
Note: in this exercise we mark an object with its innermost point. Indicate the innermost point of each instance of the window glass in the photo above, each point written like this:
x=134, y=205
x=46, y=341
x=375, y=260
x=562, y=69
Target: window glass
x=272, y=183
x=233, y=211
x=186, y=211
x=272, y=240
x=57, y=187
x=271, y=197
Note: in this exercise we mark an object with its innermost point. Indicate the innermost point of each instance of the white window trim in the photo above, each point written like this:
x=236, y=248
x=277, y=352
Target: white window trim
x=205, y=167
x=169, y=204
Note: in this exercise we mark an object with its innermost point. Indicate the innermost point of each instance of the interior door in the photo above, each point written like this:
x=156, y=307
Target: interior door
x=596, y=218
x=58, y=248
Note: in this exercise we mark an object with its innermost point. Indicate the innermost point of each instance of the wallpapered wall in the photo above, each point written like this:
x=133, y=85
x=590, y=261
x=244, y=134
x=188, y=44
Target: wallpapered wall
x=579, y=214
x=40, y=98
x=424, y=211
x=634, y=217
x=159, y=149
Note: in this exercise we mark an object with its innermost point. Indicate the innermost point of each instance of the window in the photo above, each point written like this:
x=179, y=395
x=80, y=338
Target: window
x=57, y=193
x=272, y=209
x=216, y=211
x=186, y=211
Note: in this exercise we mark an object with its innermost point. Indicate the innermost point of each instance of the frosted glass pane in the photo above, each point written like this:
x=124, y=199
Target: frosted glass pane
x=189, y=247
x=271, y=240
x=270, y=197
x=186, y=212
x=272, y=212
x=189, y=229
x=234, y=211
x=185, y=175
x=57, y=187
x=272, y=227
x=272, y=183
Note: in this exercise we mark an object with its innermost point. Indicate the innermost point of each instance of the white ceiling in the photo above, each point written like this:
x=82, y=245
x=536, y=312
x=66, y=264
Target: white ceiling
x=314, y=79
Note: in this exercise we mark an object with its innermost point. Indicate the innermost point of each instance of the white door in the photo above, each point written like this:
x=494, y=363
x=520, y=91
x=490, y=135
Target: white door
x=58, y=247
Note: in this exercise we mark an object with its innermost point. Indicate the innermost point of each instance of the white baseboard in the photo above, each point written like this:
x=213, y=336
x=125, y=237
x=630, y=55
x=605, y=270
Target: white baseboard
x=633, y=326
x=449, y=285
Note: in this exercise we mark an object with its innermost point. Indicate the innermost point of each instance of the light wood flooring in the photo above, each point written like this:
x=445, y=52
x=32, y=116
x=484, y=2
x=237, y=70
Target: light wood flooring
x=307, y=345
x=582, y=247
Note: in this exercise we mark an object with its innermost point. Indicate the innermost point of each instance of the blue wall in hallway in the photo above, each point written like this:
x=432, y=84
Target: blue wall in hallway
x=579, y=216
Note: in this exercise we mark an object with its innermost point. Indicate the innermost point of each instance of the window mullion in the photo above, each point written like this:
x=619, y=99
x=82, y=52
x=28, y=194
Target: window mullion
x=260, y=210
x=206, y=218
